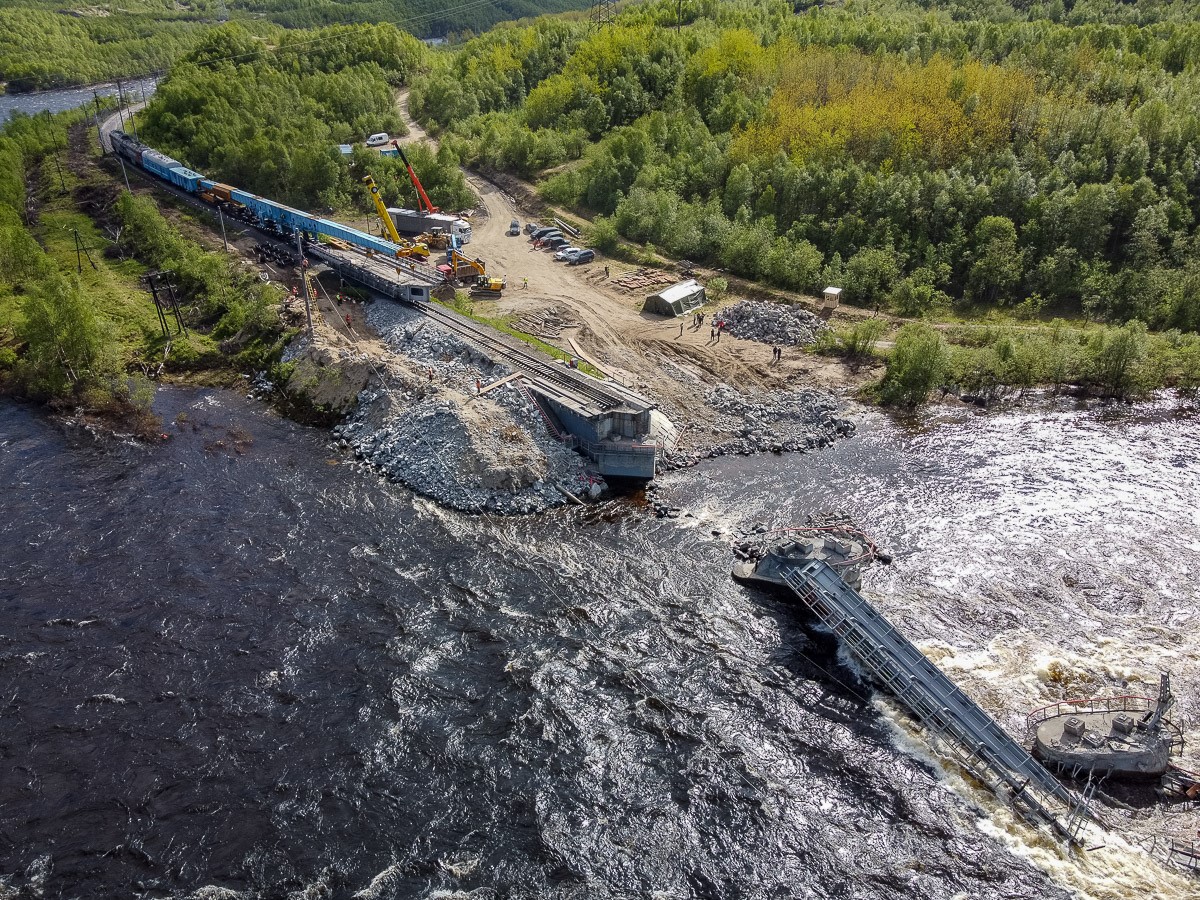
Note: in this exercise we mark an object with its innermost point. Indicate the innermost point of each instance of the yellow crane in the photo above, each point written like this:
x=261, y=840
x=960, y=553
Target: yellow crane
x=407, y=248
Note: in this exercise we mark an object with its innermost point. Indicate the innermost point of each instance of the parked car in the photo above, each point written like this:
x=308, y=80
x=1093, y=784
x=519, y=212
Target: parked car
x=531, y=227
x=583, y=256
x=378, y=140
x=514, y=227
x=555, y=243
x=566, y=253
x=542, y=232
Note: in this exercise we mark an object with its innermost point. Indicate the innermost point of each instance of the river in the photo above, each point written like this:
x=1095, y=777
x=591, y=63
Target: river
x=61, y=99
x=235, y=664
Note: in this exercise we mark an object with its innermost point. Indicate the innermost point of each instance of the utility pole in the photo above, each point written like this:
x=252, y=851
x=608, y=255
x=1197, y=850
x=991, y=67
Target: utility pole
x=99, y=134
x=304, y=284
x=224, y=240
x=175, y=301
x=162, y=320
x=120, y=105
x=61, y=181
x=81, y=251
x=124, y=174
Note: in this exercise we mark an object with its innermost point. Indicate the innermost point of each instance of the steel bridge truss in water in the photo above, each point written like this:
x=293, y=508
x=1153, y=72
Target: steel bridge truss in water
x=959, y=726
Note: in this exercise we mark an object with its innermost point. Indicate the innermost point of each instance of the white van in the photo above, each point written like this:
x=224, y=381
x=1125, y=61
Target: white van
x=378, y=140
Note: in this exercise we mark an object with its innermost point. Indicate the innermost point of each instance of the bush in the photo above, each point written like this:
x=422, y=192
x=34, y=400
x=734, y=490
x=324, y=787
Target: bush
x=917, y=365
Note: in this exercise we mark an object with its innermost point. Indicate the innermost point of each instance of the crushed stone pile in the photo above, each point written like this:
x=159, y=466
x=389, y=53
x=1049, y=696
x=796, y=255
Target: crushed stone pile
x=772, y=323
x=778, y=422
x=492, y=453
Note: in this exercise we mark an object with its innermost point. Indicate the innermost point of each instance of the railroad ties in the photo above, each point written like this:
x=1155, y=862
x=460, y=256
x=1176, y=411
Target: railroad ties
x=411, y=283
x=956, y=722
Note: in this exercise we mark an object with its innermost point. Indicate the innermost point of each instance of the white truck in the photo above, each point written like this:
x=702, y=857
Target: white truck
x=411, y=223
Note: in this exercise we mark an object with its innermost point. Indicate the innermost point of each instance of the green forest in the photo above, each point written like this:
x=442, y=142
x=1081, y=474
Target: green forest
x=270, y=120
x=1044, y=158
x=77, y=328
x=45, y=44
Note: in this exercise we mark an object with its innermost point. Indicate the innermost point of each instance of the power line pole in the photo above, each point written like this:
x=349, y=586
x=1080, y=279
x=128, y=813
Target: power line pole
x=61, y=181
x=162, y=319
x=124, y=174
x=304, y=284
x=120, y=105
x=99, y=134
x=224, y=240
x=81, y=251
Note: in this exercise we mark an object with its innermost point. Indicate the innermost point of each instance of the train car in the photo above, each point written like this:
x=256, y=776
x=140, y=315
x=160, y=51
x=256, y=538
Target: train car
x=353, y=236
x=127, y=147
x=183, y=177
x=159, y=163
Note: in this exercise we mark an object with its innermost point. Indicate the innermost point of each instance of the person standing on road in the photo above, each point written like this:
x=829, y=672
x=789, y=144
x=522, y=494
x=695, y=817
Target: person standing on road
x=681, y=329
x=525, y=282
x=712, y=334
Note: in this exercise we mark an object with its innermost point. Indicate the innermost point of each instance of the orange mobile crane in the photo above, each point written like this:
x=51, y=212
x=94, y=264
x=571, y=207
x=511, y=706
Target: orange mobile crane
x=424, y=199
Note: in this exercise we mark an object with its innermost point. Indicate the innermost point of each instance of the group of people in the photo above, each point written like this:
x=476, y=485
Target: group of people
x=776, y=354
x=714, y=334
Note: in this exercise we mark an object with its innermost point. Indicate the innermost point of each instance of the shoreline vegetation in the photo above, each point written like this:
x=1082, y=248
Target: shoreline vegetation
x=78, y=331
x=1008, y=196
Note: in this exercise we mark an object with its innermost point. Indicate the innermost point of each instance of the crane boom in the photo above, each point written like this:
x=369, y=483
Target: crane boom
x=428, y=207
x=381, y=208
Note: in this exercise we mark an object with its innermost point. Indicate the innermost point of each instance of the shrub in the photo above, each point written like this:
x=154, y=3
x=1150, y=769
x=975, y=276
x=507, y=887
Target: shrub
x=918, y=363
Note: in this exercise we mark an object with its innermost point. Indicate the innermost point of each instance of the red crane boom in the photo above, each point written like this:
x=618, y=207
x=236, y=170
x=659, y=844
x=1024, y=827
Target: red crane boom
x=428, y=207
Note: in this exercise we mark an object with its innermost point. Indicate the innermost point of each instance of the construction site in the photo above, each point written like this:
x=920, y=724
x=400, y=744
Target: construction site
x=630, y=389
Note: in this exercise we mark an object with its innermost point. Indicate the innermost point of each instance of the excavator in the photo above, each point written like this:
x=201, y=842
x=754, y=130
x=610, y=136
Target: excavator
x=408, y=249
x=462, y=268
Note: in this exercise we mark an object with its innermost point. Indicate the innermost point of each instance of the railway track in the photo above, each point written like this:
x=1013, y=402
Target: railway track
x=525, y=361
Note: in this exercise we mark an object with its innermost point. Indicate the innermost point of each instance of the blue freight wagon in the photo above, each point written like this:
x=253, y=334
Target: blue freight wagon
x=183, y=177
x=159, y=163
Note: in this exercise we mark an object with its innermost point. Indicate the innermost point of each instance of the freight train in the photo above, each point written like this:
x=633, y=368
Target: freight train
x=267, y=215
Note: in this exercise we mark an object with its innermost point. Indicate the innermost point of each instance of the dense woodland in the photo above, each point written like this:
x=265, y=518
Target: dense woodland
x=80, y=331
x=1040, y=158
x=271, y=121
x=46, y=44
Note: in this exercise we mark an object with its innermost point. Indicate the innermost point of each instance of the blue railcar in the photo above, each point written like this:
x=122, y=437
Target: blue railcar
x=355, y=237
x=159, y=163
x=183, y=177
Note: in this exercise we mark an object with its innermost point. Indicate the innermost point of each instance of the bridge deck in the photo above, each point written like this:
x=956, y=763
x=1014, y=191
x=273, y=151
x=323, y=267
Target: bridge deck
x=979, y=743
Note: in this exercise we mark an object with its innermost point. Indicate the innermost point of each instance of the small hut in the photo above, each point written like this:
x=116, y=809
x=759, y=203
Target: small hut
x=677, y=300
x=831, y=297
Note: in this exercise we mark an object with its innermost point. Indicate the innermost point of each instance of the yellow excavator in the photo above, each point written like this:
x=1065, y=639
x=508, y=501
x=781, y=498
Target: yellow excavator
x=463, y=268
x=407, y=248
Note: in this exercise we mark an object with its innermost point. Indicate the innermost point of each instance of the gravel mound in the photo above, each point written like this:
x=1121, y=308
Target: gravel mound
x=772, y=323
x=778, y=422
x=491, y=454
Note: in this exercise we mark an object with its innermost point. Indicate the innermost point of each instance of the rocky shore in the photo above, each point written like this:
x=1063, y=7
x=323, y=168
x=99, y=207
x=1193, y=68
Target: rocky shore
x=423, y=425
x=410, y=407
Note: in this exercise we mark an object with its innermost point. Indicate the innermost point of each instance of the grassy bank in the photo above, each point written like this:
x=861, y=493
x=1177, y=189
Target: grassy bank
x=78, y=327
x=988, y=363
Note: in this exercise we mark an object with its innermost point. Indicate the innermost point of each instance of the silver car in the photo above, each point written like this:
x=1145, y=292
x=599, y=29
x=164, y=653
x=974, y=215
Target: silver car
x=566, y=253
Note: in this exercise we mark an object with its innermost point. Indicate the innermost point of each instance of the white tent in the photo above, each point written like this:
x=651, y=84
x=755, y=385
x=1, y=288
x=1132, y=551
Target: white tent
x=677, y=299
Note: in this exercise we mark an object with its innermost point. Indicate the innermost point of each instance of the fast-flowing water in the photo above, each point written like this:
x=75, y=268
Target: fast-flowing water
x=62, y=99
x=235, y=662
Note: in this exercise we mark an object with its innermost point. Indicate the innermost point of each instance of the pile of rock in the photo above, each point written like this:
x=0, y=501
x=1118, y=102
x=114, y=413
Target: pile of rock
x=772, y=323
x=429, y=432
x=779, y=422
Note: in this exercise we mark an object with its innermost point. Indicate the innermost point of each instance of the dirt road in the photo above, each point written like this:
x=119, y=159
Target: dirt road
x=646, y=352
